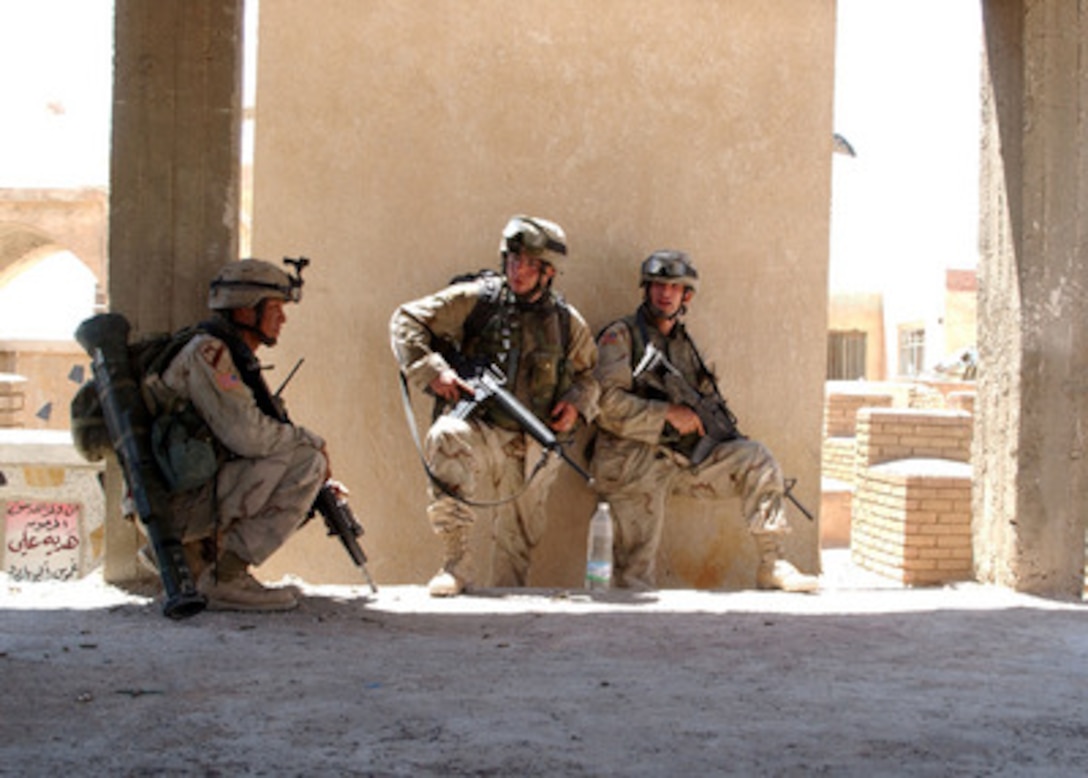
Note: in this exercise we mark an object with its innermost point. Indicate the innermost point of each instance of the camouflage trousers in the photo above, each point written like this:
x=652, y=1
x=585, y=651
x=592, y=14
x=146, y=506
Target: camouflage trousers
x=257, y=504
x=483, y=463
x=637, y=478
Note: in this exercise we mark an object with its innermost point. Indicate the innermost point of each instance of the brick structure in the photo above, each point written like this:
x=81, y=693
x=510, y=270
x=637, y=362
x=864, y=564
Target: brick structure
x=839, y=458
x=912, y=521
x=887, y=434
x=841, y=409
x=962, y=401
x=923, y=395
x=12, y=399
x=841, y=406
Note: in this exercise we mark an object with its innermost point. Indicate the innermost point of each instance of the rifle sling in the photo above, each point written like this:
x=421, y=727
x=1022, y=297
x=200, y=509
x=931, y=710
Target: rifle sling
x=441, y=485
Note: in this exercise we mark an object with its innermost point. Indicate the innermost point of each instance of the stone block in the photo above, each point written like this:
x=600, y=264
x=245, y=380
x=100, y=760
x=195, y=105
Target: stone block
x=911, y=521
x=52, y=506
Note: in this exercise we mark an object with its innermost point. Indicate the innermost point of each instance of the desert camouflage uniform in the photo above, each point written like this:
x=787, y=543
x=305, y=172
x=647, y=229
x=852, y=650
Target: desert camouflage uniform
x=487, y=458
x=638, y=462
x=273, y=471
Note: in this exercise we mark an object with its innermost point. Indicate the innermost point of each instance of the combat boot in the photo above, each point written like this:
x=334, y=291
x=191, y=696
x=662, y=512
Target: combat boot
x=775, y=572
x=454, y=576
x=240, y=591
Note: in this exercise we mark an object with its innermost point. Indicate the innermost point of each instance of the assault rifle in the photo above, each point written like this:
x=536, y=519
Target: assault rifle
x=331, y=502
x=340, y=521
x=719, y=423
x=488, y=384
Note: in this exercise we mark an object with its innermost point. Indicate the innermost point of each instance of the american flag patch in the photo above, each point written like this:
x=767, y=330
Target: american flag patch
x=227, y=381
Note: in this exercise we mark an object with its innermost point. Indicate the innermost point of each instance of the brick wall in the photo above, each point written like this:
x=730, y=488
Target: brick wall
x=925, y=396
x=912, y=521
x=887, y=434
x=838, y=457
x=841, y=410
x=961, y=401
x=12, y=399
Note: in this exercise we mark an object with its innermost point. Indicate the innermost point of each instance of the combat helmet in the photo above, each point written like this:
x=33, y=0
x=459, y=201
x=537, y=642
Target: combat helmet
x=246, y=282
x=669, y=266
x=540, y=237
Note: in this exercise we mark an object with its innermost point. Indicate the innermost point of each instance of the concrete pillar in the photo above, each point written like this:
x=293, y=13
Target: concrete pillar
x=1029, y=448
x=174, y=176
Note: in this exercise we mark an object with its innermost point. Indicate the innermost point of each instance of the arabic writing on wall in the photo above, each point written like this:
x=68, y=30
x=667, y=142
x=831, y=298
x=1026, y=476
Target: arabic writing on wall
x=42, y=541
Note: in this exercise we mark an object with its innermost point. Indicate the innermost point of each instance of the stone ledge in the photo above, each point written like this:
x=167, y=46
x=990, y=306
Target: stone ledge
x=41, y=447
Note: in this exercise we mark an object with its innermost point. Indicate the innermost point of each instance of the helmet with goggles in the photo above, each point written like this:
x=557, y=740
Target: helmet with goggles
x=246, y=282
x=670, y=267
x=539, y=237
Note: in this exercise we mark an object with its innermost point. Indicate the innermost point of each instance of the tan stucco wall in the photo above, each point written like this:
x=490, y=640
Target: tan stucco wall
x=36, y=220
x=393, y=140
x=53, y=371
x=1031, y=473
x=862, y=311
x=960, y=310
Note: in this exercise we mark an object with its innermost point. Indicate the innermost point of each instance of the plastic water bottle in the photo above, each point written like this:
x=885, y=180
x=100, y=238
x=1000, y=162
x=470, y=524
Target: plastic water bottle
x=599, y=549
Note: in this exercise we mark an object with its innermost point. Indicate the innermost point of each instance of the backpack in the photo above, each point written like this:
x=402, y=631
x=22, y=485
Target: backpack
x=183, y=445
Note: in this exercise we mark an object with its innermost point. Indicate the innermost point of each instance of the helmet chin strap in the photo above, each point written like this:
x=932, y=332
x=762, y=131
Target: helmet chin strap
x=535, y=293
x=255, y=329
x=659, y=315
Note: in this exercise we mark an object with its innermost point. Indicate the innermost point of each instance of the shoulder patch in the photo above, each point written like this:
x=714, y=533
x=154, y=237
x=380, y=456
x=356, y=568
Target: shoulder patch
x=608, y=337
x=212, y=352
x=215, y=353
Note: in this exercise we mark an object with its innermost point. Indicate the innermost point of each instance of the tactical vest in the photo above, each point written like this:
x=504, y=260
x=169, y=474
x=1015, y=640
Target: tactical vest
x=651, y=387
x=528, y=342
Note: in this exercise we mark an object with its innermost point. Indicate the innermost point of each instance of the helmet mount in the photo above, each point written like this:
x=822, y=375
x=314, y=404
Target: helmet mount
x=248, y=285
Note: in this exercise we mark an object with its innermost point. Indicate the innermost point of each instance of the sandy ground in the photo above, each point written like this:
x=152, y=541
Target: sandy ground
x=862, y=679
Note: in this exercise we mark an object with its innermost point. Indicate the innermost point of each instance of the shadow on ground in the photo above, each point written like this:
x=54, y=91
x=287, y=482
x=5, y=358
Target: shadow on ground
x=958, y=681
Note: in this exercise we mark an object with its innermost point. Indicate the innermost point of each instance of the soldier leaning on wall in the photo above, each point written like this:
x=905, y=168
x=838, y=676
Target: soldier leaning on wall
x=645, y=439
x=514, y=322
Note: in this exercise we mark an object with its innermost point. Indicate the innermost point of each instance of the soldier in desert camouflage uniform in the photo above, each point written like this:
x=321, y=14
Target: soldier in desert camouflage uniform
x=544, y=347
x=271, y=469
x=644, y=440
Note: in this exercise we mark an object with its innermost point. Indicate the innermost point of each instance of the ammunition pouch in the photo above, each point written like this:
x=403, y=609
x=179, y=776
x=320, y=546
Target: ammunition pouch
x=184, y=448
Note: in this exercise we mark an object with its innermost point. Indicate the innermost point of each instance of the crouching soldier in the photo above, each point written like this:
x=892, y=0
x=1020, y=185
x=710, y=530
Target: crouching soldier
x=270, y=470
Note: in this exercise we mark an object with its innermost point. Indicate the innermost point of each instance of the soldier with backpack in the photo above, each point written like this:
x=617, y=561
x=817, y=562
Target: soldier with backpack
x=514, y=325
x=651, y=441
x=269, y=470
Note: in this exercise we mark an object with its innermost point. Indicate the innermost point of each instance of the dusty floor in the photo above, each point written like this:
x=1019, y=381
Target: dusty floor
x=862, y=679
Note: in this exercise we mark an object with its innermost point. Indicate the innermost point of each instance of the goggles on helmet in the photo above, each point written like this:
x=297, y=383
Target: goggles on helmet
x=669, y=266
x=541, y=241
x=525, y=232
